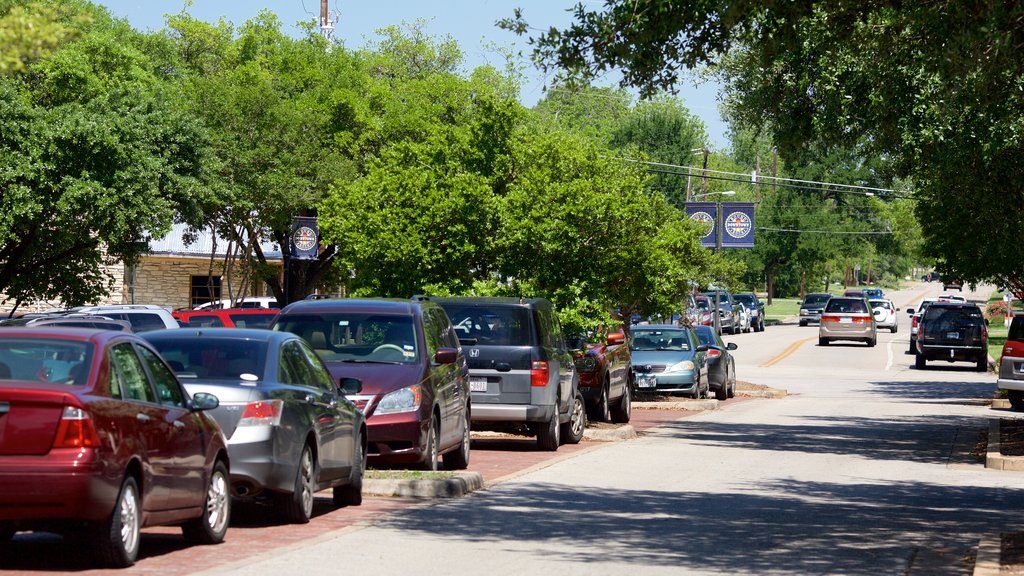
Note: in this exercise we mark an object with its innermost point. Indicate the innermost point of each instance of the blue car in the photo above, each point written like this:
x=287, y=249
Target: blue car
x=669, y=358
x=873, y=293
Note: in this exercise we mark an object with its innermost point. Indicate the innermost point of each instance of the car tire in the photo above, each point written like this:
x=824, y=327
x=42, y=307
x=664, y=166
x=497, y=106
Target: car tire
x=732, y=385
x=459, y=459
x=913, y=348
x=803, y=323
x=351, y=494
x=116, y=539
x=548, y=433
x=822, y=341
x=624, y=409
x=894, y=329
x=296, y=507
x=602, y=411
x=211, y=527
x=983, y=363
x=1016, y=399
x=919, y=362
x=872, y=341
x=722, y=393
x=572, y=431
x=430, y=448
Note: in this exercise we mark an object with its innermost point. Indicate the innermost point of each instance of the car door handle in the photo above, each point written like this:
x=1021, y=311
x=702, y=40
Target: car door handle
x=142, y=417
x=310, y=399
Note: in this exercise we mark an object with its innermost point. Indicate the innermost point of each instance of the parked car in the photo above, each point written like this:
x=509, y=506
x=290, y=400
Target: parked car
x=70, y=321
x=522, y=372
x=952, y=331
x=874, y=293
x=415, y=380
x=721, y=366
x=605, y=377
x=668, y=358
x=847, y=318
x=732, y=315
x=756, y=308
x=931, y=276
x=692, y=314
x=703, y=314
x=227, y=317
x=290, y=430
x=812, y=306
x=885, y=315
x=247, y=302
x=1011, y=364
x=142, y=317
x=100, y=439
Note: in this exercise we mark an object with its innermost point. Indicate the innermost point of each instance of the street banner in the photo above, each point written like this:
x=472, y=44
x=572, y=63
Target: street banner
x=704, y=213
x=738, y=224
x=305, y=238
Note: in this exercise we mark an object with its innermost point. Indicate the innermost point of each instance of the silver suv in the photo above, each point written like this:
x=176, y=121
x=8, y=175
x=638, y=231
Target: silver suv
x=522, y=375
x=142, y=317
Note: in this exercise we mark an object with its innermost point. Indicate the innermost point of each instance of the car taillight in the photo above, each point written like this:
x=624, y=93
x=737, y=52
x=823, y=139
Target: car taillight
x=830, y=318
x=920, y=333
x=713, y=353
x=76, y=430
x=862, y=319
x=262, y=413
x=984, y=333
x=913, y=322
x=539, y=373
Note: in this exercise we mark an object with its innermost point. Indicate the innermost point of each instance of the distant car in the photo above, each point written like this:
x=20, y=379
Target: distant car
x=915, y=316
x=703, y=312
x=847, y=318
x=855, y=292
x=290, y=429
x=142, y=317
x=100, y=439
x=874, y=293
x=721, y=366
x=1011, y=364
x=521, y=370
x=247, y=302
x=606, y=378
x=71, y=321
x=811, y=307
x=952, y=283
x=756, y=308
x=669, y=358
x=732, y=315
x=931, y=276
x=885, y=315
x=415, y=379
x=227, y=317
x=952, y=331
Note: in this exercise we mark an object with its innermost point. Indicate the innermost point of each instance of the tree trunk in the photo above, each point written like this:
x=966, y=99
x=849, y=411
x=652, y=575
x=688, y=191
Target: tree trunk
x=771, y=286
x=803, y=284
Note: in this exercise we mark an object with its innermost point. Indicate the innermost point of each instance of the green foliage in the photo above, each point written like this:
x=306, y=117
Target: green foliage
x=31, y=31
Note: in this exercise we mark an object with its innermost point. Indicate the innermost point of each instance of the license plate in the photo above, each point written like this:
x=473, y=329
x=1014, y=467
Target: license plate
x=647, y=382
x=953, y=335
x=478, y=385
x=846, y=320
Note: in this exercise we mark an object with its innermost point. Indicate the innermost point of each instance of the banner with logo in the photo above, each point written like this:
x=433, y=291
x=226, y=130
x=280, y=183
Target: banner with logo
x=305, y=238
x=737, y=224
x=704, y=213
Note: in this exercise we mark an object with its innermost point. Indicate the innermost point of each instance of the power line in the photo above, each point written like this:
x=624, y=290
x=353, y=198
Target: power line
x=783, y=185
x=849, y=232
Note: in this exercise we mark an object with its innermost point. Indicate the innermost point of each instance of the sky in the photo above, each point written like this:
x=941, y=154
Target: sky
x=470, y=22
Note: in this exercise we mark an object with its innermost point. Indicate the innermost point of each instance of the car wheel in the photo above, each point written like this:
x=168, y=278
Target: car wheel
x=297, y=507
x=762, y=324
x=983, y=363
x=459, y=459
x=894, y=329
x=1016, y=399
x=913, y=349
x=211, y=527
x=722, y=392
x=572, y=431
x=351, y=494
x=803, y=322
x=822, y=341
x=624, y=409
x=603, y=411
x=919, y=361
x=872, y=341
x=116, y=539
x=430, y=449
x=548, y=433
x=732, y=385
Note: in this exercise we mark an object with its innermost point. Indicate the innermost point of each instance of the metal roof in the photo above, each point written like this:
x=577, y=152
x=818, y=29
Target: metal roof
x=173, y=244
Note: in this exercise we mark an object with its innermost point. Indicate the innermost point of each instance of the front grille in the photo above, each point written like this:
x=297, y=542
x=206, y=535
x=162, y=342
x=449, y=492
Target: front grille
x=648, y=368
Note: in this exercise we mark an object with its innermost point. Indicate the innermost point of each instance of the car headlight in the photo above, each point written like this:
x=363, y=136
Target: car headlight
x=586, y=364
x=403, y=400
x=684, y=366
x=803, y=310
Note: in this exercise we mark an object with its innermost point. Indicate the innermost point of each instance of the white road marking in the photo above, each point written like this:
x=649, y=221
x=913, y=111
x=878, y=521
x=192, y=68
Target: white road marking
x=888, y=349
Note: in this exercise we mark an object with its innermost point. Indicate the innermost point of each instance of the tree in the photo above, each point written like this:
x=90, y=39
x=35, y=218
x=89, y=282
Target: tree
x=946, y=112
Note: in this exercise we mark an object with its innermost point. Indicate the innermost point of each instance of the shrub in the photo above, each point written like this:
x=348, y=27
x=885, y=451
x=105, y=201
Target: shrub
x=996, y=310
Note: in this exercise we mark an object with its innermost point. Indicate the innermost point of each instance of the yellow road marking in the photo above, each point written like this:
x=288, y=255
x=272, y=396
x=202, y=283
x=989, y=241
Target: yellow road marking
x=786, y=353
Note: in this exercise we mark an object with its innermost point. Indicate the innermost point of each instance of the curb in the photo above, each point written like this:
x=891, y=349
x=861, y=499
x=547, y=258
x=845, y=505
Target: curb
x=995, y=460
x=617, y=434
x=710, y=404
x=774, y=393
x=454, y=487
x=986, y=563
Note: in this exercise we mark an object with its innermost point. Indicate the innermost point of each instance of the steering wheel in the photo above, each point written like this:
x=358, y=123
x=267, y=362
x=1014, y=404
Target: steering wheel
x=389, y=347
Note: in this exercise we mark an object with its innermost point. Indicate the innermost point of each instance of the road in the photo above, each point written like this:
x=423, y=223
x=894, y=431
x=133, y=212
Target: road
x=862, y=469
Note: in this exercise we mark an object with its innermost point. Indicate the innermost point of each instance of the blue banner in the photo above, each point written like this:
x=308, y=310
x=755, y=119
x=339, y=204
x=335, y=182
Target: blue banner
x=737, y=224
x=704, y=213
x=305, y=238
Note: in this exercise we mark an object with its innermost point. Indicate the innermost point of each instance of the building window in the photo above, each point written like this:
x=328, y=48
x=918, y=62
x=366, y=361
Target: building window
x=205, y=289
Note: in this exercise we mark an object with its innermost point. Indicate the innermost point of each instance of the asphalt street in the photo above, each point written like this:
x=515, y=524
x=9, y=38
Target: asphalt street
x=863, y=468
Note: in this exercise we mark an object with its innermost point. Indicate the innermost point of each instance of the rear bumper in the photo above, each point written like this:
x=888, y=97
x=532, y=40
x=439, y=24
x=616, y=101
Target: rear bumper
x=951, y=353
x=64, y=484
x=512, y=413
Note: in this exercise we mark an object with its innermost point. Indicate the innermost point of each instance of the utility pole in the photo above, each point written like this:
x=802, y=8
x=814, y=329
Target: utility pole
x=704, y=177
x=689, y=183
x=775, y=167
x=757, y=181
x=326, y=26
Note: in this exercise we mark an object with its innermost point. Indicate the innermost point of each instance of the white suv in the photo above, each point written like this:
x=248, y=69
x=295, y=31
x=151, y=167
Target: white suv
x=142, y=317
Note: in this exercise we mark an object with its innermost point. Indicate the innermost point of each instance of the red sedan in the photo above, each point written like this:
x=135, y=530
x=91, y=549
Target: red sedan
x=98, y=435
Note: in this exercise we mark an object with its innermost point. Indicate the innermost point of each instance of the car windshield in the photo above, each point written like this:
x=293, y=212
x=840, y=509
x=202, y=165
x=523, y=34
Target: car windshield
x=884, y=304
x=45, y=360
x=816, y=299
x=491, y=325
x=1016, y=332
x=356, y=336
x=847, y=306
x=214, y=358
x=670, y=339
x=747, y=299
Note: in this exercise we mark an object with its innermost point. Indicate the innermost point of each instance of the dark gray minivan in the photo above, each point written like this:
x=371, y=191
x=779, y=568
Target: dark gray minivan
x=522, y=376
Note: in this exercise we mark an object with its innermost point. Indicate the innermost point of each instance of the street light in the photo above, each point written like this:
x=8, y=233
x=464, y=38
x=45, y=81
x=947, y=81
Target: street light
x=718, y=248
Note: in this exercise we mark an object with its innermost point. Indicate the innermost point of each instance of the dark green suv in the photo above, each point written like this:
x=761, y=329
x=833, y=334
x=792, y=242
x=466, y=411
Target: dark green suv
x=952, y=331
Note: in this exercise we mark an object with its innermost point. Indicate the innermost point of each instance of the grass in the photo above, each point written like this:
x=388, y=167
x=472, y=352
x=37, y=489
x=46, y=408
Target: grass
x=781, y=308
x=377, y=474
x=996, y=339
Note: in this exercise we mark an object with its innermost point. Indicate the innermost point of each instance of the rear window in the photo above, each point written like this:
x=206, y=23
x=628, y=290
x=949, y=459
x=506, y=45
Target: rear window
x=491, y=325
x=356, y=336
x=816, y=299
x=672, y=339
x=1016, y=329
x=213, y=358
x=252, y=320
x=45, y=360
x=847, y=306
x=705, y=335
x=950, y=317
x=204, y=321
x=883, y=304
x=140, y=321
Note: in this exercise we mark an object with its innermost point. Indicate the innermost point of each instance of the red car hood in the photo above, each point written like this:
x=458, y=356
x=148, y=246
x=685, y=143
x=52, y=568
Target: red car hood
x=377, y=378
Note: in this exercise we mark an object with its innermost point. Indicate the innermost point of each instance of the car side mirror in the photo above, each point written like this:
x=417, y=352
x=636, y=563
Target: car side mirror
x=349, y=386
x=731, y=346
x=910, y=311
x=616, y=338
x=204, y=401
x=702, y=348
x=446, y=355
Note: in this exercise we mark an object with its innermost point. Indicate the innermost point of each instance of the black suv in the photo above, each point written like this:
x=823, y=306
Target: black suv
x=415, y=381
x=756, y=307
x=952, y=331
x=522, y=376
